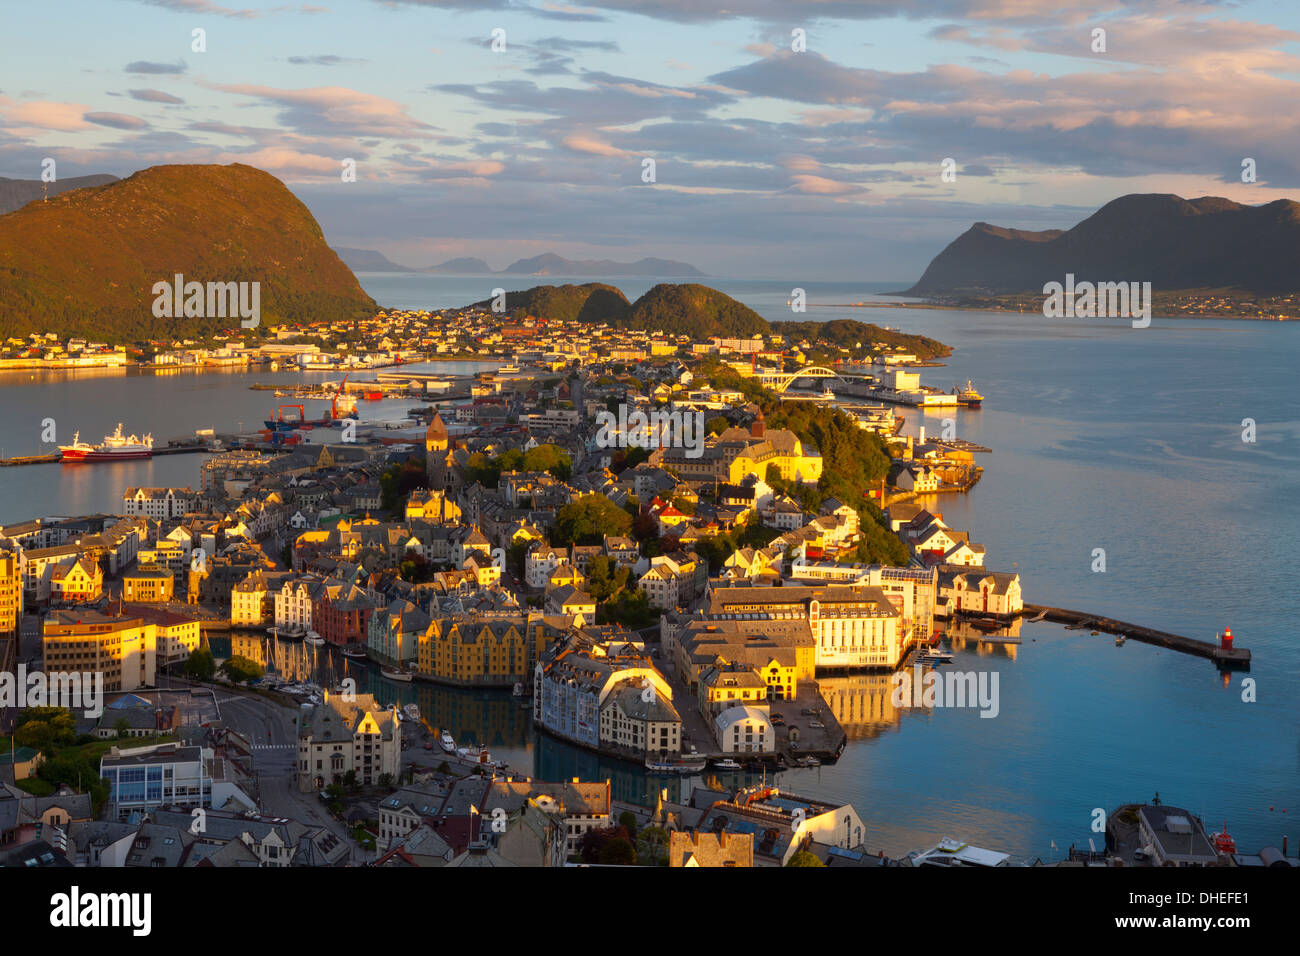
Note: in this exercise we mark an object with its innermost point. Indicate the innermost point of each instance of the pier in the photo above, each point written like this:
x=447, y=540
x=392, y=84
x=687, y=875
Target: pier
x=1228, y=656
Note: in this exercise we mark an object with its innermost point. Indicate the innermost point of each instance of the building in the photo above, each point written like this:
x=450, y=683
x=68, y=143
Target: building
x=635, y=717
x=159, y=503
x=251, y=604
x=177, y=635
x=76, y=580
x=854, y=626
x=781, y=824
x=148, y=586
x=697, y=849
x=483, y=650
x=11, y=590
x=744, y=729
x=123, y=649
x=976, y=591
x=292, y=604
x=347, y=733
x=148, y=778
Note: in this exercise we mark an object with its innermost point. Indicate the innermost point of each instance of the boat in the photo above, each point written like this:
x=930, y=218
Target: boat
x=808, y=762
x=395, y=674
x=1119, y=640
x=518, y=689
x=372, y=395
x=412, y=711
x=969, y=396
x=314, y=638
x=675, y=766
x=1223, y=843
x=934, y=657
x=114, y=447
x=727, y=764
x=447, y=742
x=508, y=369
x=356, y=653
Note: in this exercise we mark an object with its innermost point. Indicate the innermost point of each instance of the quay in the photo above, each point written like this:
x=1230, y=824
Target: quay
x=1223, y=653
x=30, y=460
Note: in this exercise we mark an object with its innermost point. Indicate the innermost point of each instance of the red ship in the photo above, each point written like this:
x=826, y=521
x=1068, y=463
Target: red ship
x=114, y=447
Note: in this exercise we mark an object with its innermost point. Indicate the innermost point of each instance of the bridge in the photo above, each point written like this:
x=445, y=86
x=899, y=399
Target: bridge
x=780, y=381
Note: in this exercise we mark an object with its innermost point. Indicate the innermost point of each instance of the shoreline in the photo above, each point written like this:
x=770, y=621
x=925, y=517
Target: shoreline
x=937, y=306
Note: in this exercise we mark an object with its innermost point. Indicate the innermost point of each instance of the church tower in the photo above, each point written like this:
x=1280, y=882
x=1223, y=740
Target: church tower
x=436, y=442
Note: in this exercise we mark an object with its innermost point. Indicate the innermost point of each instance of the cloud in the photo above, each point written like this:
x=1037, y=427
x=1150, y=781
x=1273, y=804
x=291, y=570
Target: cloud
x=584, y=143
x=202, y=7
x=116, y=120
x=334, y=110
x=154, y=96
x=43, y=115
x=144, y=66
x=326, y=59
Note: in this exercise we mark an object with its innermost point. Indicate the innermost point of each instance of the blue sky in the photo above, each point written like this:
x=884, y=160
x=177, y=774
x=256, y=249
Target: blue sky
x=819, y=164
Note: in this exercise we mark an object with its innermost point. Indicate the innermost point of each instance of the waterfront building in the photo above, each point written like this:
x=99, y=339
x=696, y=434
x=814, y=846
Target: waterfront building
x=480, y=650
x=744, y=729
x=159, y=503
x=341, y=611
x=123, y=648
x=634, y=717
x=347, y=733
x=854, y=626
x=250, y=601
x=394, y=633
x=293, y=602
x=966, y=591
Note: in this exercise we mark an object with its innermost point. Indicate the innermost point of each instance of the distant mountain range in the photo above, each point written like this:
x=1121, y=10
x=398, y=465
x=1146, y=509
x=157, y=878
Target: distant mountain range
x=86, y=262
x=1173, y=243
x=547, y=264
x=16, y=193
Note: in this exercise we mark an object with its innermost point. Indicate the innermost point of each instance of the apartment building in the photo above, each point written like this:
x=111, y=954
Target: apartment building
x=122, y=648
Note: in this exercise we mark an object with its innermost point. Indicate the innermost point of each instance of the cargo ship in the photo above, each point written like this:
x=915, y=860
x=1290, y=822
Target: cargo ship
x=114, y=447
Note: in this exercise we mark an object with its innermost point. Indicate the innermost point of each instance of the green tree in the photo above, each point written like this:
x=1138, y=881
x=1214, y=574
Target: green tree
x=718, y=424
x=45, y=728
x=587, y=520
x=804, y=858
x=241, y=669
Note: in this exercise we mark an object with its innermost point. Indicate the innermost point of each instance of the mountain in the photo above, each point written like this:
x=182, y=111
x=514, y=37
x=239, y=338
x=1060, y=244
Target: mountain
x=87, y=261
x=1173, y=243
x=549, y=264
x=465, y=266
x=368, y=260
x=16, y=193
x=694, y=310
x=688, y=309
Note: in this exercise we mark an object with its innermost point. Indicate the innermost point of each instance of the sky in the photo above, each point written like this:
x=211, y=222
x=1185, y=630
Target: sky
x=799, y=139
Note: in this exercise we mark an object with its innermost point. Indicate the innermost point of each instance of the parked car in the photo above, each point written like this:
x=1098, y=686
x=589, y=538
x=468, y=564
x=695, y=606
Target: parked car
x=816, y=725
x=808, y=712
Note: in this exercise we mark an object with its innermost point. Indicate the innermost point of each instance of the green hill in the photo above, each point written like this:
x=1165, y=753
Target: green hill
x=591, y=302
x=694, y=310
x=85, y=262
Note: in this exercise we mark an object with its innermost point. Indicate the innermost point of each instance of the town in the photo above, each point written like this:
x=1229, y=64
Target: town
x=689, y=611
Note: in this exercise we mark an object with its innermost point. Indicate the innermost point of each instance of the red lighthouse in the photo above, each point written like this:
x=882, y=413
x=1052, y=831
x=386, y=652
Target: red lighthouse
x=1225, y=639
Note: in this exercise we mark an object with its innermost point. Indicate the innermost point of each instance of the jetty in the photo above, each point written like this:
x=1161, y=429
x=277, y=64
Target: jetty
x=30, y=460
x=1224, y=653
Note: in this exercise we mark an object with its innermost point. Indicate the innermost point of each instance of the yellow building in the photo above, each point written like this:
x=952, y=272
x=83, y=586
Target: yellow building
x=492, y=652
x=148, y=586
x=432, y=506
x=11, y=592
x=123, y=649
x=728, y=685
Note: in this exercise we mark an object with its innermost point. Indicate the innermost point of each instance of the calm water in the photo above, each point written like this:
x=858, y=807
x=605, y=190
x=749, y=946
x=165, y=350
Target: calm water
x=1104, y=436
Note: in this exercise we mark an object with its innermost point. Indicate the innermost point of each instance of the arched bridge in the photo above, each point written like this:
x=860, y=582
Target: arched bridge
x=780, y=381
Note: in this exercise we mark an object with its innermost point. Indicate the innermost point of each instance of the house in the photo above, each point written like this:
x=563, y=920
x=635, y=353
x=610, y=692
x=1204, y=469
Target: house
x=696, y=849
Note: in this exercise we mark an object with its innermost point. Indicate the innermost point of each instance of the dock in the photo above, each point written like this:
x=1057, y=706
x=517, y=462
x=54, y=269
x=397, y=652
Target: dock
x=1228, y=657
x=29, y=460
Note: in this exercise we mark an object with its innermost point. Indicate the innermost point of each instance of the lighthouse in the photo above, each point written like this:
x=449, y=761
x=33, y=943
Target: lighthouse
x=1225, y=639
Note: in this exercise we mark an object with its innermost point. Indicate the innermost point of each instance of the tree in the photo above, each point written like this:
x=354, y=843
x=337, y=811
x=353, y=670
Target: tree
x=123, y=726
x=45, y=729
x=200, y=665
x=588, y=520
x=594, y=843
x=241, y=670
x=618, y=852
x=804, y=858
x=718, y=424
x=628, y=820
